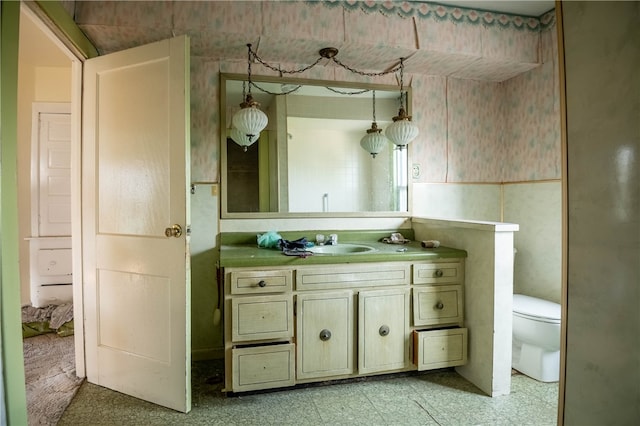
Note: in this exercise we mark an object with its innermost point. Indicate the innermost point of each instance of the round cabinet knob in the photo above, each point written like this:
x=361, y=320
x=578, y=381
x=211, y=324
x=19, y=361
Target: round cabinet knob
x=384, y=330
x=325, y=335
x=440, y=306
x=439, y=273
x=262, y=283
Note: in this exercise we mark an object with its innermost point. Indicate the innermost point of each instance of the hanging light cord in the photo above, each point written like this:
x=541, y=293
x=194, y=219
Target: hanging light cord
x=374, y=106
x=401, y=83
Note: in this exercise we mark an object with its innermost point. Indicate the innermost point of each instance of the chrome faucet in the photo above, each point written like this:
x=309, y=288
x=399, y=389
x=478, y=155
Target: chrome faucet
x=332, y=240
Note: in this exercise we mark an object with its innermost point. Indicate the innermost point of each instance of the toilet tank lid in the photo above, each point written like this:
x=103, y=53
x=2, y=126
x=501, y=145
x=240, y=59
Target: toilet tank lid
x=535, y=307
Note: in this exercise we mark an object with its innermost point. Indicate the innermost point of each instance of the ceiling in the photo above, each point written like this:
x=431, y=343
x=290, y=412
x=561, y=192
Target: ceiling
x=109, y=37
x=515, y=7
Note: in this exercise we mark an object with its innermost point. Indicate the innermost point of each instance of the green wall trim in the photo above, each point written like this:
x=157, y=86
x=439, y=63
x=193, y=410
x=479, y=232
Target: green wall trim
x=64, y=22
x=10, y=317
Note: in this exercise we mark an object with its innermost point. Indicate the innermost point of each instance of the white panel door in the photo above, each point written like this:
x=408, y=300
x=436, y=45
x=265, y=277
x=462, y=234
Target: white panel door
x=135, y=185
x=54, y=146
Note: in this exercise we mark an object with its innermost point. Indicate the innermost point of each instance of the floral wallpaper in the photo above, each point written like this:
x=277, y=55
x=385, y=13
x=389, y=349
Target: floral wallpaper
x=506, y=131
x=485, y=85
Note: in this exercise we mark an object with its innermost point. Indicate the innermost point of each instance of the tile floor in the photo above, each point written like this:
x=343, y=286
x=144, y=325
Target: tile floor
x=439, y=397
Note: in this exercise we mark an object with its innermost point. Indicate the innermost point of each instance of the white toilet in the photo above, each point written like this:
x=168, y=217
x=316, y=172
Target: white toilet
x=536, y=338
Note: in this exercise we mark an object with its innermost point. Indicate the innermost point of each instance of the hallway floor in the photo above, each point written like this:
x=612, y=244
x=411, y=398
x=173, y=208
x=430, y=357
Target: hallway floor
x=439, y=397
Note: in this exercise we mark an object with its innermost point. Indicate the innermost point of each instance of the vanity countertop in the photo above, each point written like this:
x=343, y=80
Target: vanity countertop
x=248, y=255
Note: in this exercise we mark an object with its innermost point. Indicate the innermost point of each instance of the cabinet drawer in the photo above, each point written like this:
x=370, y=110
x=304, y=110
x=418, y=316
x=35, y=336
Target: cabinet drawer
x=255, y=282
x=354, y=275
x=53, y=262
x=263, y=367
x=440, y=348
x=437, y=305
x=437, y=273
x=261, y=317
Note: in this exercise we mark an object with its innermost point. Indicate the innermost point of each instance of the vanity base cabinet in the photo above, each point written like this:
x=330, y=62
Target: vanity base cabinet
x=263, y=367
x=325, y=334
x=288, y=325
x=440, y=348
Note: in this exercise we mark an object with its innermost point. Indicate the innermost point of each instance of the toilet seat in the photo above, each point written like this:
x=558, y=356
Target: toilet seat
x=536, y=309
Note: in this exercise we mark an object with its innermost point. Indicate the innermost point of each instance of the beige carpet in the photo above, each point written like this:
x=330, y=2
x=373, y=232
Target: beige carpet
x=50, y=376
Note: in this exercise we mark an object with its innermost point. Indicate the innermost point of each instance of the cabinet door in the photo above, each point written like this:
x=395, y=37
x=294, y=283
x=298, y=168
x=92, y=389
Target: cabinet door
x=325, y=334
x=383, y=330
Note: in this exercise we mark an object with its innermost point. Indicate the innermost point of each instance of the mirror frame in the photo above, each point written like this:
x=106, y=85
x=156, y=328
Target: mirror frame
x=222, y=178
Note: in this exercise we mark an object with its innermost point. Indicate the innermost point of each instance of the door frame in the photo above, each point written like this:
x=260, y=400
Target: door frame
x=76, y=200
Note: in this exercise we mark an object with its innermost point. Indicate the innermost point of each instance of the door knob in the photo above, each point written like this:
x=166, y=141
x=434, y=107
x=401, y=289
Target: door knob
x=173, y=231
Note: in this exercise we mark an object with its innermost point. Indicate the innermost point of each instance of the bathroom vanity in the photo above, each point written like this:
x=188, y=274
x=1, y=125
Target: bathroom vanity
x=291, y=320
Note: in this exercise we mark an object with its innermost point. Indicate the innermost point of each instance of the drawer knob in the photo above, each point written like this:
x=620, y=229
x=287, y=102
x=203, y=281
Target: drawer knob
x=262, y=283
x=439, y=273
x=440, y=306
x=325, y=335
x=384, y=330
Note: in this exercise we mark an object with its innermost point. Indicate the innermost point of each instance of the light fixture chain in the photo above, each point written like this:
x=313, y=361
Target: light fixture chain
x=374, y=106
x=364, y=73
x=340, y=92
x=283, y=71
x=249, y=66
x=263, y=90
x=295, y=89
x=320, y=58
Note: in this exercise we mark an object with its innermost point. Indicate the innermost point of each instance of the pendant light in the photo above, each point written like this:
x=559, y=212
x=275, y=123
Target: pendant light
x=402, y=130
x=241, y=139
x=374, y=142
x=250, y=120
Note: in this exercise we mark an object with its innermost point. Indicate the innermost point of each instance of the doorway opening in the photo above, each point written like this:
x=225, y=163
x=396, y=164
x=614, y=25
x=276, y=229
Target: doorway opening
x=49, y=79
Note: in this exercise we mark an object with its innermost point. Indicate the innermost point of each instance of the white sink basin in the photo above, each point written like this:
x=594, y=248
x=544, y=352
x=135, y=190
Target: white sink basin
x=341, y=249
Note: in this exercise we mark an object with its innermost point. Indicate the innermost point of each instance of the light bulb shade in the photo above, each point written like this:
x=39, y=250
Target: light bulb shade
x=402, y=130
x=250, y=120
x=374, y=142
x=242, y=139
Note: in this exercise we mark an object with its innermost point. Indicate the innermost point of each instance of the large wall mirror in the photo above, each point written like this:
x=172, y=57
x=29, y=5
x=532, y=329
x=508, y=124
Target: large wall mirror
x=308, y=161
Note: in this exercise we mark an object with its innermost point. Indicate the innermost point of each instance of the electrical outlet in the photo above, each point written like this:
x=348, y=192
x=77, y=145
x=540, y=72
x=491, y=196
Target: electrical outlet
x=415, y=171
